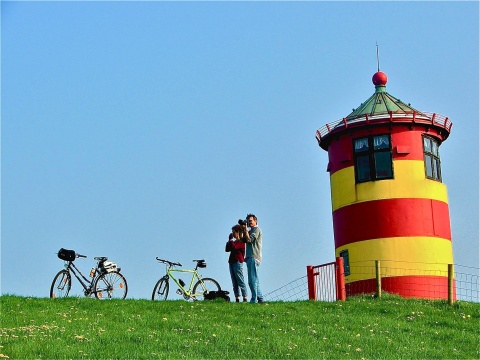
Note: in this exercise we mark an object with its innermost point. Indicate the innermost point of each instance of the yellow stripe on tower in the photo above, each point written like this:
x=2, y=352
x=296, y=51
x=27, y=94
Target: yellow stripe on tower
x=427, y=256
x=409, y=182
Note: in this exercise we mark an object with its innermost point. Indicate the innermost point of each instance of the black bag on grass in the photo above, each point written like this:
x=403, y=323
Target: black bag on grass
x=221, y=294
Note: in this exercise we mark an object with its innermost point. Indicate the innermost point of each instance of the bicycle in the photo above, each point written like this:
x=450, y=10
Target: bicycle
x=106, y=280
x=195, y=292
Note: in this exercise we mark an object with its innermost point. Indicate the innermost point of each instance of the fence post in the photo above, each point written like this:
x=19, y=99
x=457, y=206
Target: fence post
x=450, y=284
x=312, y=285
x=378, y=277
x=340, y=276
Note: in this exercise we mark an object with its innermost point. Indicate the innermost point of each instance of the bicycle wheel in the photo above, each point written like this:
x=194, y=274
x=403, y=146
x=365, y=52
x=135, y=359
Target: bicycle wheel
x=61, y=285
x=112, y=285
x=203, y=286
x=160, y=291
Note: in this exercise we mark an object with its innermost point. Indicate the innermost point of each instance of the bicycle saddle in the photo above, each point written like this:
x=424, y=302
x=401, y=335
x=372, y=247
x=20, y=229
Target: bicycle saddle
x=201, y=263
x=101, y=258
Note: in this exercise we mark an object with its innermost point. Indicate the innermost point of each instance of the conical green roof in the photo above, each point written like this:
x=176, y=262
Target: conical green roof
x=381, y=102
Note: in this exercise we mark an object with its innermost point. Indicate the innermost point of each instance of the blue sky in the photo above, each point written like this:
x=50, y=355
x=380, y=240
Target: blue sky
x=141, y=129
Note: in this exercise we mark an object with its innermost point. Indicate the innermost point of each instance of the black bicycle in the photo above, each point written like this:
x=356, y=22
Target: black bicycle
x=106, y=281
x=195, y=290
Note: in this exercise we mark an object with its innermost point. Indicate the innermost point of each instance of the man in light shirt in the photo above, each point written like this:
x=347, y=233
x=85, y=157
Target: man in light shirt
x=253, y=257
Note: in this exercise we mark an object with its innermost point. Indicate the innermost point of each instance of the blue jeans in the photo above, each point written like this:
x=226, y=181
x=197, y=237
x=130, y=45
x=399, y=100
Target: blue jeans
x=236, y=273
x=253, y=281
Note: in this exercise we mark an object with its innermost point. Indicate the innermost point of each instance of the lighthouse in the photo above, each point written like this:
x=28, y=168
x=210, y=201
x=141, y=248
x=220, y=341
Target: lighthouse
x=389, y=204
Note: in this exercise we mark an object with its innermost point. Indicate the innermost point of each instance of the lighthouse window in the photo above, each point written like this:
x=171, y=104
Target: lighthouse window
x=432, y=158
x=373, y=158
x=346, y=262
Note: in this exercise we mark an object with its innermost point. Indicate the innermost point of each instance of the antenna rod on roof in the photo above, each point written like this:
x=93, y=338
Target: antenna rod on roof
x=378, y=61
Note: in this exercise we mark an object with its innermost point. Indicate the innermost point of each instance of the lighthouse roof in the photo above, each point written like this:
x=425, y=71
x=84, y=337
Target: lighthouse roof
x=382, y=108
x=381, y=102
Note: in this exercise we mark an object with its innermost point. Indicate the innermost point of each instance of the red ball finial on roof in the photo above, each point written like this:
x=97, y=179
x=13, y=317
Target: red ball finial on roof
x=379, y=78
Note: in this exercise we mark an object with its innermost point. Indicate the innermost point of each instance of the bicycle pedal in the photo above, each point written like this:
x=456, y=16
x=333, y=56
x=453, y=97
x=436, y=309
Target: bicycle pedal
x=179, y=292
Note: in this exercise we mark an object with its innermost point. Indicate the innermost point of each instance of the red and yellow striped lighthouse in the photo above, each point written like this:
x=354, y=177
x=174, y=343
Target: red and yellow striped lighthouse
x=388, y=200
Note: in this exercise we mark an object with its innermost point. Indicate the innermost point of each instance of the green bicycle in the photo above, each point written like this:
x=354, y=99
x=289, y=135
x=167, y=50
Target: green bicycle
x=193, y=292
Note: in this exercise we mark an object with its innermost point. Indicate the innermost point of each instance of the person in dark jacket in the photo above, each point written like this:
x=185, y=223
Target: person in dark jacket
x=235, y=262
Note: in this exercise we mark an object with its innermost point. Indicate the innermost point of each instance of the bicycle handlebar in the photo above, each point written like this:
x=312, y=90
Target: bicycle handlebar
x=170, y=263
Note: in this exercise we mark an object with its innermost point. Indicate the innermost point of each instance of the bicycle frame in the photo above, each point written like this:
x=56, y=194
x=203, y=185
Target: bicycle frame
x=72, y=268
x=195, y=276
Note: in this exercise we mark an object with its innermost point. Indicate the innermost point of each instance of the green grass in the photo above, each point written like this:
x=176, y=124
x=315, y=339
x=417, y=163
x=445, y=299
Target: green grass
x=360, y=328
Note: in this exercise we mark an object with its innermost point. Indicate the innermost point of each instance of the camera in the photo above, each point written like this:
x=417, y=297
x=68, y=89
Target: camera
x=242, y=222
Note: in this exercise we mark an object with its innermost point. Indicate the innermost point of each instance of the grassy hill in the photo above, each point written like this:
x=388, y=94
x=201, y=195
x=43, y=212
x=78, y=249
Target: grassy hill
x=360, y=328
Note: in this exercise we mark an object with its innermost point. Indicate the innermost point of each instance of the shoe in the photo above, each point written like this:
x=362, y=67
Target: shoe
x=237, y=300
x=260, y=301
x=245, y=299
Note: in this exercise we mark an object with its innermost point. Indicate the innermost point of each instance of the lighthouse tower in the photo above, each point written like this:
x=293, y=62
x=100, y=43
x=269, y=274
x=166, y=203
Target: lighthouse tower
x=388, y=199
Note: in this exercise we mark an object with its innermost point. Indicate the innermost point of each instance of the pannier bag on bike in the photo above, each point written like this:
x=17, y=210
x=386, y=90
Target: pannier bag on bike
x=67, y=255
x=108, y=266
x=221, y=294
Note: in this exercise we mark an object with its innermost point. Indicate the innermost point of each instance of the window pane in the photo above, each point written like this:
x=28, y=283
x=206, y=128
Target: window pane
x=381, y=142
x=434, y=169
x=361, y=145
x=383, y=165
x=437, y=166
x=434, y=148
x=428, y=166
x=363, y=168
x=427, y=144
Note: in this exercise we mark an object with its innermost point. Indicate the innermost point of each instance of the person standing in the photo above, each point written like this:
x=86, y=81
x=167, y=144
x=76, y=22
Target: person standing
x=253, y=256
x=235, y=262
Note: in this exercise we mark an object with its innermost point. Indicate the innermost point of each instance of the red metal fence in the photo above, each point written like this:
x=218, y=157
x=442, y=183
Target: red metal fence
x=327, y=282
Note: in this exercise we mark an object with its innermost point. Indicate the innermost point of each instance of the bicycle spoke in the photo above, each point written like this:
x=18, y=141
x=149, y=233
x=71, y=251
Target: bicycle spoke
x=204, y=286
x=61, y=284
x=111, y=286
x=160, y=291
